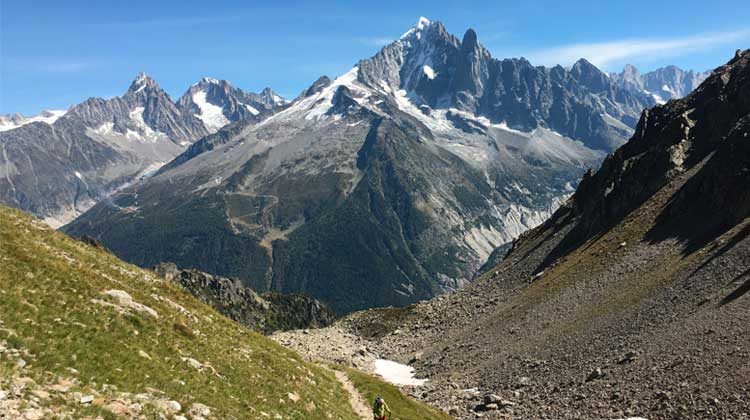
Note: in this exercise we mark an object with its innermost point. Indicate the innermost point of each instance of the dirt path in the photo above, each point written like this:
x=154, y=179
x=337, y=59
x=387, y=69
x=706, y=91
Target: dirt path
x=355, y=398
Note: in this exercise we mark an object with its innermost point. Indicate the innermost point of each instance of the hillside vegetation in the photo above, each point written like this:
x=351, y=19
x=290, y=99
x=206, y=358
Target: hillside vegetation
x=82, y=333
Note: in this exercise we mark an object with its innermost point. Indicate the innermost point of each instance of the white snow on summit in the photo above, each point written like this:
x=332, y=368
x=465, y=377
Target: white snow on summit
x=422, y=23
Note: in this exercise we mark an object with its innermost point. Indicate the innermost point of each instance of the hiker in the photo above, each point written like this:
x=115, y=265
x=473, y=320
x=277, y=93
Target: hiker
x=379, y=409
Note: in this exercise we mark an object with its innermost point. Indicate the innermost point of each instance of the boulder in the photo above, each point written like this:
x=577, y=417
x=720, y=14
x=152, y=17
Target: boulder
x=199, y=410
x=595, y=374
x=123, y=302
x=492, y=399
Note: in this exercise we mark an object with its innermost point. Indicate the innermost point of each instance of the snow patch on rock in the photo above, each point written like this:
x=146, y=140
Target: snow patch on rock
x=251, y=109
x=211, y=115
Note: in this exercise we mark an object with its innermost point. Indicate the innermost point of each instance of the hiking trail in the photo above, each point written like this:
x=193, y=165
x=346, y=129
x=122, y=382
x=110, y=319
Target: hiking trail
x=355, y=398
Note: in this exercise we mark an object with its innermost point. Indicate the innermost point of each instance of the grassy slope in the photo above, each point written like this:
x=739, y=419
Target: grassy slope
x=47, y=282
x=403, y=408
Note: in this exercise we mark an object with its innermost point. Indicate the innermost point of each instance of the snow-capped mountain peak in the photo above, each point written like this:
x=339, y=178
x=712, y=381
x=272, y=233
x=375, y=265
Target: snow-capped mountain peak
x=416, y=30
x=271, y=98
x=217, y=103
x=142, y=82
x=431, y=146
x=211, y=115
x=211, y=80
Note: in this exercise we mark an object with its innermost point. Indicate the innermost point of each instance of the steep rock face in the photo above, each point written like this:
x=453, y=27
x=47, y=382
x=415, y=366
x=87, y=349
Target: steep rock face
x=630, y=300
x=388, y=185
x=438, y=71
x=266, y=313
x=145, y=111
x=668, y=141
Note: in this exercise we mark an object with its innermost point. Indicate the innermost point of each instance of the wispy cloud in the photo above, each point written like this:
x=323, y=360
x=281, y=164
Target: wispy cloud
x=375, y=41
x=169, y=22
x=52, y=65
x=604, y=54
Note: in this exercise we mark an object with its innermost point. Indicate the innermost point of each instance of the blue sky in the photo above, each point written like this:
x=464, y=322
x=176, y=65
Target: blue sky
x=56, y=53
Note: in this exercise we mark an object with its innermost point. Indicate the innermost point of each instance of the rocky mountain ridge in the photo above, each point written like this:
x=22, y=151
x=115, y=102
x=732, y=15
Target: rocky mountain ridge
x=439, y=71
x=663, y=84
x=218, y=103
x=59, y=164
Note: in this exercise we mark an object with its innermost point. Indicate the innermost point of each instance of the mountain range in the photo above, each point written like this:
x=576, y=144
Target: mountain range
x=662, y=84
x=390, y=184
x=60, y=163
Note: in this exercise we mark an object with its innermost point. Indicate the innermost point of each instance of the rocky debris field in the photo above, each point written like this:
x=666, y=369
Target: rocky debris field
x=331, y=345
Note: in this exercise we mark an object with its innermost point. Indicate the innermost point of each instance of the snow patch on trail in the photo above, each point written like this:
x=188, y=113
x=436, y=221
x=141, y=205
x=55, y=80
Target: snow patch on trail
x=396, y=373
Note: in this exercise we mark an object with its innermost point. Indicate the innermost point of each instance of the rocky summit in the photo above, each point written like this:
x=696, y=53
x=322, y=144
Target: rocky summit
x=392, y=183
x=217, y=103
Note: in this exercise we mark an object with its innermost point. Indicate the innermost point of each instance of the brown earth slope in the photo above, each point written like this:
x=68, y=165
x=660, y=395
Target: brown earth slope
x=630, y=301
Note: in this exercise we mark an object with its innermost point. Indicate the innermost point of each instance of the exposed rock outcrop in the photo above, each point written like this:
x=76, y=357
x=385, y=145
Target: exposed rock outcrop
x=266, y=313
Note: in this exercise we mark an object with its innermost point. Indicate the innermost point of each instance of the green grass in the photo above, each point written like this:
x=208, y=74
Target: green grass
x=402, y=406
x=47, y=283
